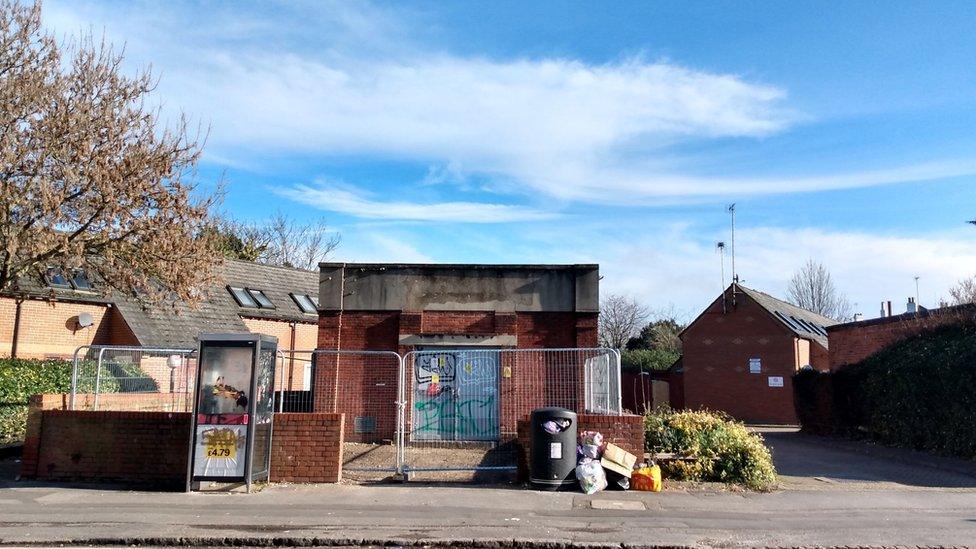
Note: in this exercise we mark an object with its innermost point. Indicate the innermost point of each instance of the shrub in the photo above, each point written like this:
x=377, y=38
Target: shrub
x=724, y=450
x=21, y=378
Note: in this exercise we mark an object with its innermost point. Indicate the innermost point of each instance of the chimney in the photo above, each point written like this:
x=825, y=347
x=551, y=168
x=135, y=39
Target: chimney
x=858, y=317
x=912, y=306
x=883, y=310
x=889, y=307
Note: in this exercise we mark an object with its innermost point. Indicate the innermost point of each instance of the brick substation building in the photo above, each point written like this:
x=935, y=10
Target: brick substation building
x=467, y=312
x=740, y=354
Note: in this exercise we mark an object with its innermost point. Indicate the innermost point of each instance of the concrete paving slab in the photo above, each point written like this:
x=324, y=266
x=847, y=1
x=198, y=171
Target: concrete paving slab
x=616, y=504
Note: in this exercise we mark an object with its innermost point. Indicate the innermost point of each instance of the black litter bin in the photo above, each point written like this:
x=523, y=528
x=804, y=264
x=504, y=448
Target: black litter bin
x=552, y=448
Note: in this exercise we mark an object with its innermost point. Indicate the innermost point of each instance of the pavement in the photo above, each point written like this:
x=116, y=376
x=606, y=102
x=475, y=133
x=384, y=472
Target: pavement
x=832, y=494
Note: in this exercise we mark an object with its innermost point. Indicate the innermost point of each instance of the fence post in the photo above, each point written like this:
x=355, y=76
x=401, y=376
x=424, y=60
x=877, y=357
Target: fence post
x=280, y=401
x=401, y=406
x=74, y=377
x=98, y=377
x=618, y=374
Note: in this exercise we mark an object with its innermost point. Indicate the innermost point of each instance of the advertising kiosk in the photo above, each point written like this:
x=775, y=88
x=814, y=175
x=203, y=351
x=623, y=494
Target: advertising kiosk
x=233, y=404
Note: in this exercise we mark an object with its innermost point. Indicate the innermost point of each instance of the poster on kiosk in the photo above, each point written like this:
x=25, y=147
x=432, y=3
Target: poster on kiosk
x=233, y=406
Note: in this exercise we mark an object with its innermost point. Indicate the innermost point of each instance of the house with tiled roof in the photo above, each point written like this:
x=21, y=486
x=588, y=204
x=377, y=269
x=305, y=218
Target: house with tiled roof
x=52, y=313
x=739, y=355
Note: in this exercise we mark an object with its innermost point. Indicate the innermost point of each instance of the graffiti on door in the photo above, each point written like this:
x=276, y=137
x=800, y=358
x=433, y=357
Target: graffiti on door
x=456, y=396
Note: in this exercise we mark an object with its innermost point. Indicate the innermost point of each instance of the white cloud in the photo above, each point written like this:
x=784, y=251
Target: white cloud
x=355, y=80
x=675, y=267
x=626, y=187
x=338, y=84
x=335, y=199
x=384, y=248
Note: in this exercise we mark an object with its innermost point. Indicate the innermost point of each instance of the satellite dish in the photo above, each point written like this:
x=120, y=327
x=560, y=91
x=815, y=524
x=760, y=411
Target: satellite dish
x=85, y=320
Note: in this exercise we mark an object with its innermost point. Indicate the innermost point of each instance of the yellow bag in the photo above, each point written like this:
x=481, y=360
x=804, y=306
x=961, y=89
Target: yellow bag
x=646, y=479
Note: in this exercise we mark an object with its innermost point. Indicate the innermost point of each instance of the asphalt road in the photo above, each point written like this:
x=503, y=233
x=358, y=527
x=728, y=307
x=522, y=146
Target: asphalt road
x=832, y=495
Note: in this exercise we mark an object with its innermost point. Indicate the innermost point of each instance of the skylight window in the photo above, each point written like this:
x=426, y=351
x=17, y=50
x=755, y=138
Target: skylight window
x=55, y=278
x=263, y=301
x=242, y=297
x=80, y=280
x=800, y=323
x=305, y=303
x=788, y=322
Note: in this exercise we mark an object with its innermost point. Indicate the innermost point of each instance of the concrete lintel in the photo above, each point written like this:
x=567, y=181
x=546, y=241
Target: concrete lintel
x=414, y=340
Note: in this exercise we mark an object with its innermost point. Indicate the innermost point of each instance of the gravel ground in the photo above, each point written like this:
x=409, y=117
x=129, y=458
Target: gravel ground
x=358, y=458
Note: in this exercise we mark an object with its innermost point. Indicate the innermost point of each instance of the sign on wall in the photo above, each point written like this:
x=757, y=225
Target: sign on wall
x=755, y=365
x=775, y=381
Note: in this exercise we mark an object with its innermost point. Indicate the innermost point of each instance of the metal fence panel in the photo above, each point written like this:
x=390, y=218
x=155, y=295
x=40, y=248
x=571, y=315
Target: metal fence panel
x=132, y=378
x=365, y=386
x=294, y=377
x=461, y=406
x=435, y=410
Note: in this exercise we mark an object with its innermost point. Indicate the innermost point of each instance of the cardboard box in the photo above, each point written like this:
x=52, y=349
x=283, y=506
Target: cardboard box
x=618, y=460
x=620, y=456
x=616, y=467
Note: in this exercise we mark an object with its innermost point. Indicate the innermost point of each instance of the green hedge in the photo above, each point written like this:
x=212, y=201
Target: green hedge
x=724, y=449
x=21, y=378
x=647, y=360
x=919, y=393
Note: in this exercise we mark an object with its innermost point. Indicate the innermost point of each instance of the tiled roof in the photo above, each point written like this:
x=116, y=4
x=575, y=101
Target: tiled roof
x=276, y=283
x=804, y=323
x=218, y=312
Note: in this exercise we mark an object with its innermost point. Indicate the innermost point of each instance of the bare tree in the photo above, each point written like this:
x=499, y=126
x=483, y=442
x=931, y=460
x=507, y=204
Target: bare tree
x=812, y=288
x=963, y=292
x=88, y=178
x=621, y=318
x=281, y=241
x=294, y=244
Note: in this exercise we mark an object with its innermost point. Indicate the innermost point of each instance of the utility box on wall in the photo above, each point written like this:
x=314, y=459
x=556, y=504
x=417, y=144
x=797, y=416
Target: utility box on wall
x=233, y=404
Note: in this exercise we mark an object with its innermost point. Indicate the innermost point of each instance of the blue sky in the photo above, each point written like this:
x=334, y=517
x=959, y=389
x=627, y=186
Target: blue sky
x=571, y=132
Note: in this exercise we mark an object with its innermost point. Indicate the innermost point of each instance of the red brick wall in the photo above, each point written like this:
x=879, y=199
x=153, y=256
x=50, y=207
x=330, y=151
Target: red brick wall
x=152, y=447
x=819, y=357
x=290, y=375
x=555, y=330
x=361, y=330
x=366, y=386
x=716, y=350
x=48, y=329
x=457, y=322
x=32, y=439
x=852, y=343
x=626, y=431
x=136, y=447
x=307, y=448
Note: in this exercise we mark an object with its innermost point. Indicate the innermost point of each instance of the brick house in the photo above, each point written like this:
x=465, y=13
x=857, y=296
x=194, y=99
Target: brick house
x=463, y=310
x=46, y=316
x=740, y=353
x=852, y=342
